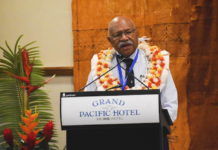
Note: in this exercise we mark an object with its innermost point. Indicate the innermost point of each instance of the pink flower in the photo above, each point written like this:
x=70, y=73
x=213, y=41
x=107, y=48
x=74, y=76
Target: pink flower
x=8, y=136
x=48, y=131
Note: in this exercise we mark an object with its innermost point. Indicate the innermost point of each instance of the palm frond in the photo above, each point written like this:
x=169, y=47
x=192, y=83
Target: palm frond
x=12, y=95
x=8, y=46
x=25, y=46
x=15, y=47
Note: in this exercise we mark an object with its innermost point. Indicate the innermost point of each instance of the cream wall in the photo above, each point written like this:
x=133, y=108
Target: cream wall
x=49, y=22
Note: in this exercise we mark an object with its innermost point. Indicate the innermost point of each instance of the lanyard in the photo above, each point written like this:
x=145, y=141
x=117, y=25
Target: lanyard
x=120, y=72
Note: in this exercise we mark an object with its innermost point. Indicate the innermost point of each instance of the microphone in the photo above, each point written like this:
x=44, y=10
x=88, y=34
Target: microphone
x=102, y=75
x=128, y=73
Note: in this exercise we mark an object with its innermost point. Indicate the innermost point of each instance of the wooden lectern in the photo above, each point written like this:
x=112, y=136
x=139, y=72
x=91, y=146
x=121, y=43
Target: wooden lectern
x=114, y=120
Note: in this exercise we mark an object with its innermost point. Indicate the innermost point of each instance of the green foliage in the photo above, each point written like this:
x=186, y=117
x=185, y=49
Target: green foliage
x=12, y=95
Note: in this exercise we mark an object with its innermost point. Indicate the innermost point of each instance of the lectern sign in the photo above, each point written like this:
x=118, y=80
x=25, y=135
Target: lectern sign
x=100, y=110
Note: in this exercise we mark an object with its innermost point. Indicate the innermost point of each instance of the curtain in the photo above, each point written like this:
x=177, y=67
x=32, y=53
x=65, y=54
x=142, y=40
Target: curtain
x=202, y=76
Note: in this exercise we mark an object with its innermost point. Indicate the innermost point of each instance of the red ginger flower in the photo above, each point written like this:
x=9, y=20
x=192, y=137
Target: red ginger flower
x=8, y=136
x=48, y=131
x=31, y=140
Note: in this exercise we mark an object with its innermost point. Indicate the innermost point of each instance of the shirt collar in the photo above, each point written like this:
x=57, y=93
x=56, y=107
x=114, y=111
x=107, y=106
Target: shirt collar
x=133, y=55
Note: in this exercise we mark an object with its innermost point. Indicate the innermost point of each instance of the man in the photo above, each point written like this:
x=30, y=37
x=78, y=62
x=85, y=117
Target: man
x=123, y=36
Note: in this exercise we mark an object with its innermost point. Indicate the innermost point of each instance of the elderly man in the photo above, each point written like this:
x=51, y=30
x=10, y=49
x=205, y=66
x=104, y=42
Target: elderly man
x=123, y=36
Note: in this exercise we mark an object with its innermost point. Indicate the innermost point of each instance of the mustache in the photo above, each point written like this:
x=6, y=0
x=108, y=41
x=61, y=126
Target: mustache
x=124, y=42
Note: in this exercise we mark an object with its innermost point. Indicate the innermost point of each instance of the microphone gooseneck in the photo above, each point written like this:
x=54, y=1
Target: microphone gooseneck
x=101, y=75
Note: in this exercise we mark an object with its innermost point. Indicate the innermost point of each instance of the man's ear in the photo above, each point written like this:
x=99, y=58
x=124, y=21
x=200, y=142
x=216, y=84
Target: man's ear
x=137, y=33
x=109, y=39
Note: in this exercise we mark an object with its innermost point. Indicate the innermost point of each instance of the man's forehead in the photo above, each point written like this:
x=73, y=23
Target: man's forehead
x=120, y=24
x=121, y=27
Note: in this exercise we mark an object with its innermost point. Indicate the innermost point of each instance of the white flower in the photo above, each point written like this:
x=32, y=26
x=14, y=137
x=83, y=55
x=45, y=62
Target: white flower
x=150, y=56
x=140, y=46
x=149, y=71
x=100, y=88
x=108, y=59
x=150, y=65
x=110, y=73
x=143, y=79
x=114, y=83
x=149, y=75
x=155, y=80
x=144, y=47
x=158, y=62
x=109, y=64
x=158, y=66
x=148, y=52
x=102, y=78
x=110, y=56
x=149, y=68
x=113, y=51
x=103, y=57
x=146, y=80
x=102, y=61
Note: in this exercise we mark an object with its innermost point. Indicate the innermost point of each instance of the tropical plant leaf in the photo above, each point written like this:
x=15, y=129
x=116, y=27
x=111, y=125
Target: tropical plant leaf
x=12, y=95
x=28, y=44
x=8, y=46
x=7, y=54
x=15, y=47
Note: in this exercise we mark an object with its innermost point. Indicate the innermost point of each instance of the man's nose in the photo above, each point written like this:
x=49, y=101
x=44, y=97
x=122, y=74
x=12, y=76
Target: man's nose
x=124, y=37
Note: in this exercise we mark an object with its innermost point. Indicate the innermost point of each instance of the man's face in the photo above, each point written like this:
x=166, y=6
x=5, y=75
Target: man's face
x=123, y=37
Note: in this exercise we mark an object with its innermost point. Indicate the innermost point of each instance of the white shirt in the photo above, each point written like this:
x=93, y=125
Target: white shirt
x=169, y=98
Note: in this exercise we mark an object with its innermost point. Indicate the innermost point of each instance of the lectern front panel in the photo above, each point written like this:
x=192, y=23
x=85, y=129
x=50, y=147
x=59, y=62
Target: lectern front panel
x=112, y=120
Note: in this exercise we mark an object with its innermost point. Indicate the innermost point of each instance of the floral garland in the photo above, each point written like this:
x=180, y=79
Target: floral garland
x=152, y=78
